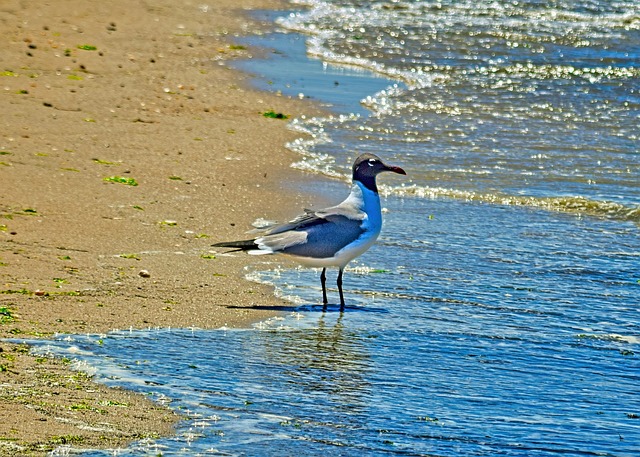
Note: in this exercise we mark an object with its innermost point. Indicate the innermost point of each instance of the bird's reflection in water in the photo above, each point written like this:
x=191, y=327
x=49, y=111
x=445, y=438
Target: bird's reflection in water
x=327, y=363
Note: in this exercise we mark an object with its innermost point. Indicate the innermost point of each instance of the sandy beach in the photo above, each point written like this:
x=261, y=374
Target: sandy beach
x=128, y=147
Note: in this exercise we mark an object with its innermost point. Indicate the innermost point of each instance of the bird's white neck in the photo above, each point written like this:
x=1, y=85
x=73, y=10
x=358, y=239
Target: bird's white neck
x=369, y=202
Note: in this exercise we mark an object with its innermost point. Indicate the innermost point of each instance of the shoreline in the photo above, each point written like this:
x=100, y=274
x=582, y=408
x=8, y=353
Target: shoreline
x=129, y=147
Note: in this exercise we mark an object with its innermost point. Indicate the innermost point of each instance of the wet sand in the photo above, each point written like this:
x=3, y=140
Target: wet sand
x=127, y=148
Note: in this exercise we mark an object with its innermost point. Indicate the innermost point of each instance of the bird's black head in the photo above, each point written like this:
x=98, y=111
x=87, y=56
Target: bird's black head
x=368, y=166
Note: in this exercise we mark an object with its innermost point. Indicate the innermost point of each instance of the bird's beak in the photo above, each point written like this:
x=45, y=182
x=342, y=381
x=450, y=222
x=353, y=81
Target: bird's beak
x=398, y=170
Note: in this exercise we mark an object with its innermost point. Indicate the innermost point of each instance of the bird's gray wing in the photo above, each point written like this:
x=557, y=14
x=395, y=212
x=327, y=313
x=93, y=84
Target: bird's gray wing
x=316, y=234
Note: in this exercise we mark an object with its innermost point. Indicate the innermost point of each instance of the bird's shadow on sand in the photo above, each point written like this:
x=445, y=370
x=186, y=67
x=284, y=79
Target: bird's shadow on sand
x=329, y=308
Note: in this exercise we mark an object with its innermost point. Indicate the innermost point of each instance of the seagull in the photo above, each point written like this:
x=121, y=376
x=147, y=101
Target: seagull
x=330, y=237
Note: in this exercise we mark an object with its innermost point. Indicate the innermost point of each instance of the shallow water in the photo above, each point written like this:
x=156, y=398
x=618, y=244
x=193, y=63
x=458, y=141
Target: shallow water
x=524, y=346
x=499, y=312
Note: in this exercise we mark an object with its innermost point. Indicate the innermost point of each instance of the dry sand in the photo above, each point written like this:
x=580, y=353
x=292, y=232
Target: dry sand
x=139, y=92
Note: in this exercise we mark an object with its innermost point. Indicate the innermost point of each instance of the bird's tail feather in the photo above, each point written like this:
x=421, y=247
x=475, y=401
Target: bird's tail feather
x=242, y=245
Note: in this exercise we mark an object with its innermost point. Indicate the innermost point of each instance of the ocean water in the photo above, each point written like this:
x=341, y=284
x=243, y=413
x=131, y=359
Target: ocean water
x=499, y=313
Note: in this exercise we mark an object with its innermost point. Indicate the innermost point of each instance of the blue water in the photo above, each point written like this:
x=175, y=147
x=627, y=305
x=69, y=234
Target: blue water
x=499, y=313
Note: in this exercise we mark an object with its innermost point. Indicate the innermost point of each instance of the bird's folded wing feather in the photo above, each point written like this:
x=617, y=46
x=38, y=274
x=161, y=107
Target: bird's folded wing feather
x=311, y=218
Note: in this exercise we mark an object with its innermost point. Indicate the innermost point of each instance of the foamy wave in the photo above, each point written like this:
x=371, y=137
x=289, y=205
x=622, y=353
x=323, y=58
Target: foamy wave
x=576, y=205
x=548, y=71
x=318, y=163
x=314, y=131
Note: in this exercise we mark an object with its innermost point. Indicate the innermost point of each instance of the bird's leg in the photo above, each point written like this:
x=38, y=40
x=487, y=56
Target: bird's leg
x=323, y=280
x=340, y=290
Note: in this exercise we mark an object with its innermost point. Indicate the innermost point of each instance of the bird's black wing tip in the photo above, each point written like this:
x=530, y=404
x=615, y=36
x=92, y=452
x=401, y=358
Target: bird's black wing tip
x=243, y=245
